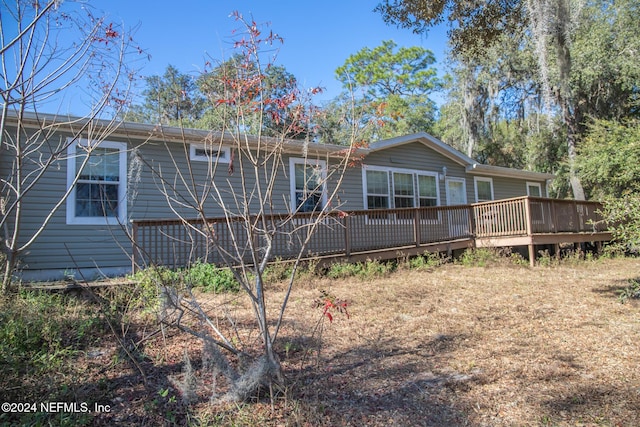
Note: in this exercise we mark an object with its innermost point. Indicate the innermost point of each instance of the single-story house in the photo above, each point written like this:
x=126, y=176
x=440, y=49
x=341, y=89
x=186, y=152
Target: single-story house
x=134, y=171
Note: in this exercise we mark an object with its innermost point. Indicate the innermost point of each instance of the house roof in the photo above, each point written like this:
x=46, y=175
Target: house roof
x=471, y=166
x=143, y=131
x=159, y=132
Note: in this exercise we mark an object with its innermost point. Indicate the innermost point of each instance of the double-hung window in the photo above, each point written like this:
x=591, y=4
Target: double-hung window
x=427, y=190
x=403, y=190
x=97, y=176
x=388, y=188
x=308, y=185
x=484, y=189
x=377, y=185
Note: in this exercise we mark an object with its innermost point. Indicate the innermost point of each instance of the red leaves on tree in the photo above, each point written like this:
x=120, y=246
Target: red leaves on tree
x=330, y=303
x=109, y=34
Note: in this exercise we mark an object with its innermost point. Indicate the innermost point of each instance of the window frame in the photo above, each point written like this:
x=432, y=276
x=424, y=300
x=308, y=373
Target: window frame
x=121, y=217
x=293, y=161
x=536, y=209
x=194, y=156
x=534, y=184
x=477, y=179
x=390, y=171
x=365, y=193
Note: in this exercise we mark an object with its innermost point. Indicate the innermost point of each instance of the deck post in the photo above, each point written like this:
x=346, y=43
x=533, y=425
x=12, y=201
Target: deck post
x=416, y=227
x=532, y=247
x=532, y=255
x=347, y=235
x=134, y=244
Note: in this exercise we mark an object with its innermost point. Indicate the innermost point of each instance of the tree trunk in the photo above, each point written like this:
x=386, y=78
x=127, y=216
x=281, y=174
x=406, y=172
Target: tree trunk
x=565, y=96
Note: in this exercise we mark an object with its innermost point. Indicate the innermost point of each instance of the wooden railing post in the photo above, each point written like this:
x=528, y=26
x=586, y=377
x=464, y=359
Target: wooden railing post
x=472, y=222
x=416, y=227
x=347, y=235
x=527, y=214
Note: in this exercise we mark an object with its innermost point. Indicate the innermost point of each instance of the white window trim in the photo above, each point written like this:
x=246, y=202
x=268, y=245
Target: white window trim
x=477, y=179
x=72, y=219
x=436, y=177
x=393, y=188
x=534, y=184
x=366, y=168
x=224, y=158
x=293, y=161
x=542, y=213
x=391, y=195
x=391, y=171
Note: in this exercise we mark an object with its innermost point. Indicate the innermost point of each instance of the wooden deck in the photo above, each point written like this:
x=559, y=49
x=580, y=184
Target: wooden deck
x=376, y=234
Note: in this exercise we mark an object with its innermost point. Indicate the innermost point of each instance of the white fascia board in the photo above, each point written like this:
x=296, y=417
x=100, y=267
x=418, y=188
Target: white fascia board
x=499, y=171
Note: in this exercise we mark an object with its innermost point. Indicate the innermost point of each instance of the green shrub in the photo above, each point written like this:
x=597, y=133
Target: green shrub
x=632, y=291
x=366, y=270
x=278, y=271
x=479, y=257
x=145, y=293
x=343, y=270
x=211, y=278
x=372, y=269
x=426, y=261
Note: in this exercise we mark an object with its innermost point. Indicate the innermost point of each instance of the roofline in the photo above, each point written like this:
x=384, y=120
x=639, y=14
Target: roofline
x=428, y=140
x=145, y=131
x=471, y=166
x=480, y=169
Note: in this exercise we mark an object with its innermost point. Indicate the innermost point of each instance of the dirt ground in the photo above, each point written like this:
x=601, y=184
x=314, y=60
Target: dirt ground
x=501, y=345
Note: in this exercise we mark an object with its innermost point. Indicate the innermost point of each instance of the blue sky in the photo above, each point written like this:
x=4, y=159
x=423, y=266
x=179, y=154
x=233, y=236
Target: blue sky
x=318, y=36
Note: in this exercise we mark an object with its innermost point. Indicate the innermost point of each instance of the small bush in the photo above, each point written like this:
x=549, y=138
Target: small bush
x=632, y=291
x=343, y=270
x=278, y=271
x=208, y=277
x=145, y=293
x=426, y=261
x=479, y=257
x=372, y=269
x=211, y=278
x=366, y=270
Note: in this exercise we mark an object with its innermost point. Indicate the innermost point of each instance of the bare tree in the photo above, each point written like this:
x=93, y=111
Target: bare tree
x=52, y=55
x=244, y=191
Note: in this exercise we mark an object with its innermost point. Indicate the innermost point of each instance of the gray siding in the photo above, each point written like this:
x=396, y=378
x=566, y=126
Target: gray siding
x=153, y=165
x=153, y=180
x=416, y=156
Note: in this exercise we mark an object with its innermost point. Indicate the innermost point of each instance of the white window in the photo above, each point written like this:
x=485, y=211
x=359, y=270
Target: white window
x=428, y=190
x=210, y=152
x=377, y=188
x=403, y=194
x=410, y=188
x=99, y=195
x=534, y=189
x=484, y=189
x=308, y=185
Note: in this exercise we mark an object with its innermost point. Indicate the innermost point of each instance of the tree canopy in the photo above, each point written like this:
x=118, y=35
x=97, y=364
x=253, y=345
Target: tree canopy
x=390, y=86
x=534, y=64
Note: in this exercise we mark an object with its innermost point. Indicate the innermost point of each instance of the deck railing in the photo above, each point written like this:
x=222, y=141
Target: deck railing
x=536, y=215
x=177, y=243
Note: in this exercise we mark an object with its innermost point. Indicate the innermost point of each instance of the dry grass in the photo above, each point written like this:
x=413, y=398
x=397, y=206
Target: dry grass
x=502, y=345
x=499, y=345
